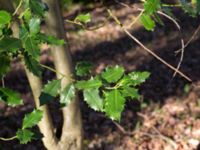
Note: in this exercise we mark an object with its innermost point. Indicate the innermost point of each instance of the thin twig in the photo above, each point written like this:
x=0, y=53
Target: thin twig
x=147, y=49
x=191, y=38
x=168, y=17
x=8, y=139
x=18, y=7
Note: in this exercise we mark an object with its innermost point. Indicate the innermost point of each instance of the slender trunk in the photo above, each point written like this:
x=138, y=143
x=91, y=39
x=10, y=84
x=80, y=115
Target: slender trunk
x=45, y=125
x=71, y=138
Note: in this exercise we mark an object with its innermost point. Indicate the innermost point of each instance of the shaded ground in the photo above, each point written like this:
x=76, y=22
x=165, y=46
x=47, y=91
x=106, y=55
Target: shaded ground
x=172, y=119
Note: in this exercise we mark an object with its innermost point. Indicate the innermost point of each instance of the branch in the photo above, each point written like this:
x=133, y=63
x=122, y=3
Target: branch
x=147, y=49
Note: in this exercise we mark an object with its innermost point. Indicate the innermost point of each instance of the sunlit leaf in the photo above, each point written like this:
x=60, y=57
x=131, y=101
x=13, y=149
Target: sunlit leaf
x=50, y=91
x=147, y=22
x=91, y=96
x=5, y=17
x=67, y=95
x=9, y=44
x=83, y=68
x=10, y=97
x=24, y=136
x=34, y=26
x=89, y=84
x=151, y=6
x=32, y=65
x=113, y=74
x=139, y=77
x=114, y=104
x=32, y=119
x=84, y=18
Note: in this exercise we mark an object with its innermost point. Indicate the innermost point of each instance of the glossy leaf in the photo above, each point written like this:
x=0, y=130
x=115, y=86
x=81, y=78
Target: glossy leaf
x=37, y=7
x=50, y=39
x=139, y=77
x=9, y=44
x=130, y=92
x=5, y=64
x=114, y=104
x=32, y=119
x=34, y=26
x=92, y=98
x=113, y=74
x=50, y=91
x=24, y=136
x=10, y=97
x=5, y=17
x=89, y=84
x=151, y=6
x=67, y=95
x=83, y=68
x=32, y=65
x=31, y=46
x=147, y=22
x=84, y=18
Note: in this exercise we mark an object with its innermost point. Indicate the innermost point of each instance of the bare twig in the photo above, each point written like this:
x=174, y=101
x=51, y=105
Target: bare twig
x=147, y=49
x=168, y=17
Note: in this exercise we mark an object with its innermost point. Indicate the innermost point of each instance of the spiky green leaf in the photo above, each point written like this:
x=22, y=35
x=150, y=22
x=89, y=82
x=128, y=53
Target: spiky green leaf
x=130, y=92
x=31, y=46
x=147, y=22
x=83, y=68
x=67, y=95
x=89, y=84
x=113, y=74
x=9, y=44
x=5, y=64
x=24, y=136
x=84, y=18
x=114, y=104
x=32, y=65
x=92, y=98
x=50, y=39
x=50, y=91
x=32, y=119
x=5, y=17
x=138, y=77
x=10, y=97
x=151, y=6
x=34, y=26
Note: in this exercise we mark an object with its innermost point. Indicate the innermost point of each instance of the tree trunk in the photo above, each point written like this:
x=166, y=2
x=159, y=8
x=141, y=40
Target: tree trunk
x=45, y=125
x=71, y=138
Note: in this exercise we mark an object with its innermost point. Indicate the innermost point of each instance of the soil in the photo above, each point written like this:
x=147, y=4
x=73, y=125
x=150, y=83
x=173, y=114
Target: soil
x=168, y=116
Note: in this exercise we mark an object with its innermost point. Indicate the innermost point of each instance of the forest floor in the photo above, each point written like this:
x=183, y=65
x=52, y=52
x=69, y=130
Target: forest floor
x=168, y=115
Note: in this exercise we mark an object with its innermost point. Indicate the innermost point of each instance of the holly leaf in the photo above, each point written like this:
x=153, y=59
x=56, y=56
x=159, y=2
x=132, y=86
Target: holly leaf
x=67, y=95
x=114, y=104
x=24, y=136
x=50, y=39
x=10, y=97
x=5, y=64
x=37, y=7
x=32, y=119
x=138, y=77
x=31, y=46
x=92, y=98
x=151, y=6
x=9, y=44
x=34, y=26
x=83, y=18
x=83, y=68
x=50, y=91
x=130, y=92
x=147, y=22
x=113, y=74
x=32, y=65
x=89, y=84
x=5, y=17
